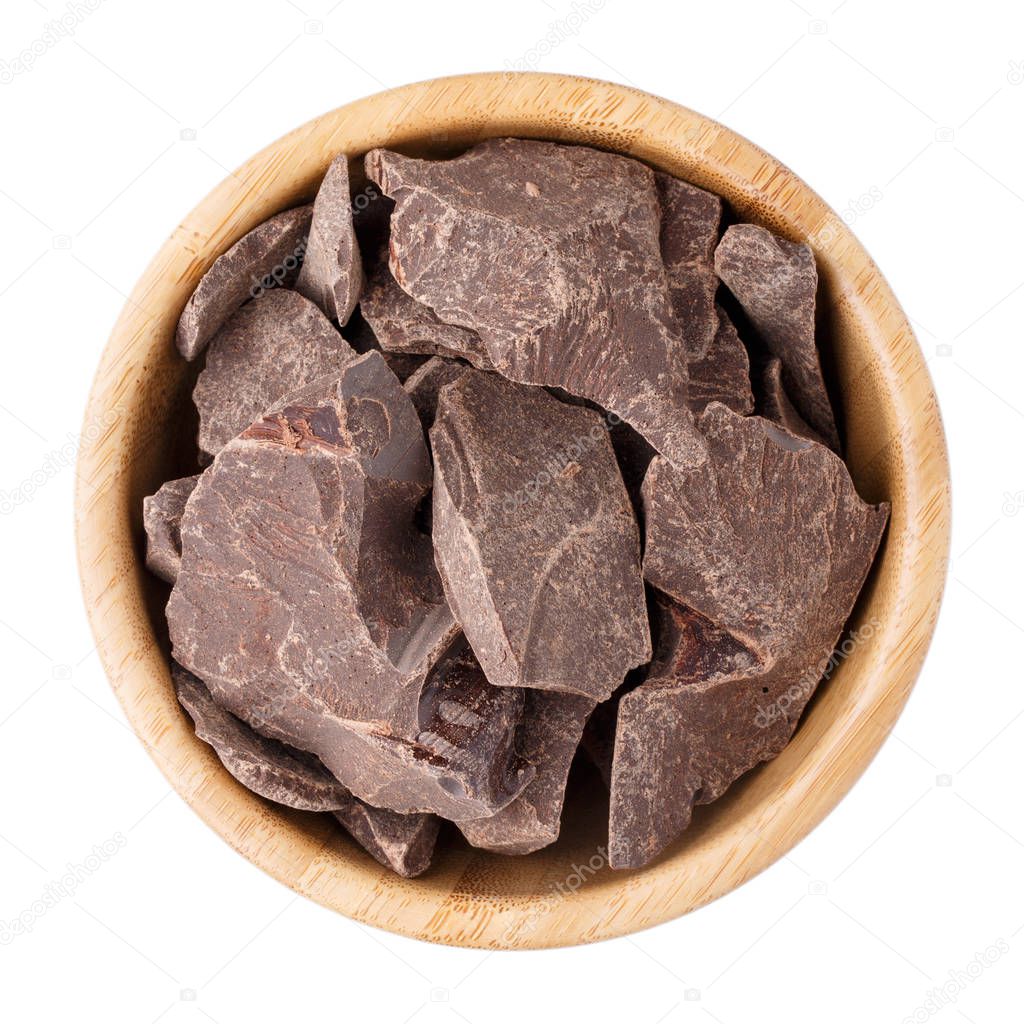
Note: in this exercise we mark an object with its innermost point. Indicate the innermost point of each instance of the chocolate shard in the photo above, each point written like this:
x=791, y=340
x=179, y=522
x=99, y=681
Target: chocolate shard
x=309, y=601
x=161, y=517
x=424, y=385
x=723, y=374
x=332, y=272
x=269, y=256
x=598, y=740
x=535, y=538
x=776, y=406
x=690, y=219
x=270, y=769
x=273, y=345
x=785, y=542
x=403, y=325
x=551, y=254
x=775, y=281
x=402, y=842
x=764, y=550
x=547, y=739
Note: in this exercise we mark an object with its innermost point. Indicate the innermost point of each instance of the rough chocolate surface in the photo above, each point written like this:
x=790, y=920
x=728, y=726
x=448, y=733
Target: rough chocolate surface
x=776, y=406
x=425, y=383
x=689, y=233
x=309, y=603
x=551, y=730
x=268, y=256
x=332, y=272
x=401, y=324
x=402, y=842
x=551, y=254
x=723, y=374
x=271, y=346
x=269, y=768
x=161, y=517
x=762, y=552
x=535, y=538
x=775, y=281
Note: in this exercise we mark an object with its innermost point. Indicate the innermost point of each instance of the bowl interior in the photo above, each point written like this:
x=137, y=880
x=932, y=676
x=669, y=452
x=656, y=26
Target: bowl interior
x=139, y=432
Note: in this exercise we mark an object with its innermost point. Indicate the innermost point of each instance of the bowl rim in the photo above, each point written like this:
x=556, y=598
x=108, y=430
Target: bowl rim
x=834, y=756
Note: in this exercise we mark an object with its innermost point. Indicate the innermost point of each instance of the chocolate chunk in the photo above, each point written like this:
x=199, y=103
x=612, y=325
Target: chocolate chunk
x=551, y=730
x=309, y=602
x=273, y=345
x=764, y=548
x=268, y=256
x=689, y=233
x=402, y=842
x=551, y=254
x=332, y=272
x=723, y=375
x=775, y=281
x=424, y=385
x=535, y=538
x=777, y=407
x=401, y=324
x=269, y=768
x=161, y=517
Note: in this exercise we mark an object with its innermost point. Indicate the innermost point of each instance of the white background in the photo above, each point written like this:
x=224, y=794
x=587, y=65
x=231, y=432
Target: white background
x=907, y=116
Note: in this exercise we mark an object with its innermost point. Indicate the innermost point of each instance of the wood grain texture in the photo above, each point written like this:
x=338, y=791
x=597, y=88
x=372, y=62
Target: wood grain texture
x=137, y=433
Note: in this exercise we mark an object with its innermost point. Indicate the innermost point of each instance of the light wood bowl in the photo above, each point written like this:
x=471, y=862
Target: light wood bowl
x=138, y=432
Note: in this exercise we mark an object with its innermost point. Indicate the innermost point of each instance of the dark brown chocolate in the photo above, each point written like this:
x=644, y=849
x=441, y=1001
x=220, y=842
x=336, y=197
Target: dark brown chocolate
x=161, y=517
x=402, y=842
x=551, y=254
x=776, y=281
x=269, y=256
x=723, y=374
x=332, y=272
x=425, y=383
x=776, y=406
x=535, y=538
x=309, y=602
x=689, y=233
x=551, y=730
x=273, y=345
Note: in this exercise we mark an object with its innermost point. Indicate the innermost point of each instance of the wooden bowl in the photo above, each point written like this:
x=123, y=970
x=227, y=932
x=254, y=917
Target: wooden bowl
x=138, y=433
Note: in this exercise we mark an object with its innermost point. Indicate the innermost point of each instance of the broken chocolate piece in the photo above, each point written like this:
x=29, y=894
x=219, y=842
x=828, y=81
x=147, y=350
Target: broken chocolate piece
x=332, y=272
x=689, y=233
x=161, y=517
x=551, y=254
x=551, y=730
x=777, y=407
x=764, y=548
x=535, y=538
x=402, y=842
x=775, y=281
x=269, y=768
x=309, y=602
x=273, y=345
x=269, y=256
x=424, y=385
x=723, y=375
x=401, y=324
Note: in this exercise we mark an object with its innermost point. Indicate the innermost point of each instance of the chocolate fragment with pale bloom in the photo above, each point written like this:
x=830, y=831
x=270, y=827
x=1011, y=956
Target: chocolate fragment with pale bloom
x=332, y=272
x=535, y=538
x=776, y=406
x=273, y=345
x=268, y=257
x=425, y=383
x=309, y=603
x=402, y=842
x=690, y=218
x=547, y=739
x=761, y=553
x=161, y=518
x=776, y=283
x=723, y=374
x=551, y=254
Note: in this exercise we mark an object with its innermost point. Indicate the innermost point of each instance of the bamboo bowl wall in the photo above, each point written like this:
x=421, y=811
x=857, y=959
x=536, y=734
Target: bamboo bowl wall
x=137, y=431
